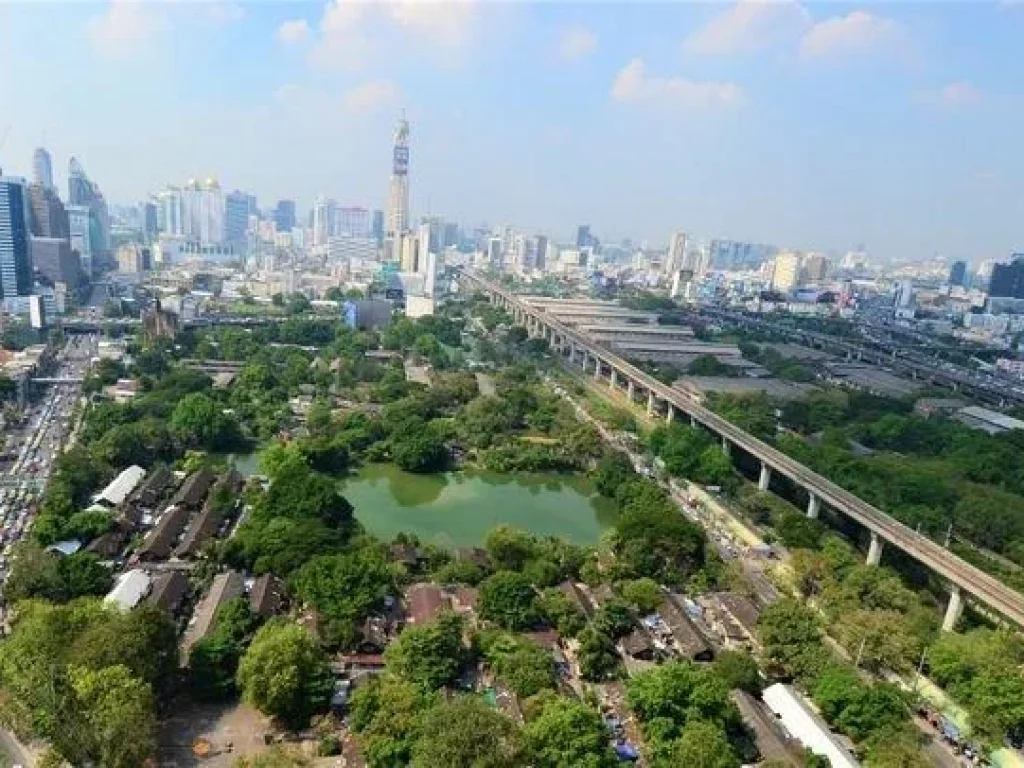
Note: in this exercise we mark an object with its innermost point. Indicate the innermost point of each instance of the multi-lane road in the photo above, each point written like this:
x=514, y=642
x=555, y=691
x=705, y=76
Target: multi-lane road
x=31, y=446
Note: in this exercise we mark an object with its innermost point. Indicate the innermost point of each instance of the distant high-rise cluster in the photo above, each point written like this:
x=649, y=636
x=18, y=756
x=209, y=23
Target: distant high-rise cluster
x=196, y=212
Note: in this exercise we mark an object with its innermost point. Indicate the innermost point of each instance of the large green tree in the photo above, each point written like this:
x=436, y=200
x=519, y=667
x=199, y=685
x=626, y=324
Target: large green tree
x=509, y=600
x=429, y=655
x=285, y=674
x=465, y=731
x=566, y=734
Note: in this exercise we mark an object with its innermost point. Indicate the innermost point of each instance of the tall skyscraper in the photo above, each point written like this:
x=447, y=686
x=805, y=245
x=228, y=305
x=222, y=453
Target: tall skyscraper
x=324, y=220
x=541, y=261
x=378, y=226
x=815, y=267
x=398, y=199
x=42, y=168
x=958, y=273
x=203, y=211
x=786, y=275
x=47, y=215
x=149, y=220
x=238, y=206
x=355, y=222
x=676, y=253
x=1008, y=279
x=284, y=215
x=84, y=192
x=81, y=242
x=583, y=237
x=15, y=257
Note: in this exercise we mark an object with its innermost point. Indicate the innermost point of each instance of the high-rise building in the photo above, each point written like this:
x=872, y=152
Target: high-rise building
x=15, y=256
x=323, y=219
x=786, y=273
x=54, y=261
x=815, y=267
x=169, y=212
x=451, y=234
x=378, y=226
x=47, y=215
x=238, y=207
x=203, y=212
x=148, y=220
x=676, y=253
x=1007, y=280
x=583, y=236
x=81, y=243
x=541, y=260
x=958, y=273
x=398, y=199
x=733, y=255
x=494, y=253
x=354, y=221
x=284, y=215
x=84, y=192
x=42, y=168
x=903, y=294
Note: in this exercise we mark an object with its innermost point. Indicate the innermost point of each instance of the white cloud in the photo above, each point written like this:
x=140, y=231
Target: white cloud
x=749, y=25
x=634, y=84
x=372, y=96
x=448, y=23
x=954, y=95
x=577, y=43
x=351, y=31
x=224, y=12
x=124, y=27
x=857, y=32
x=293, y=31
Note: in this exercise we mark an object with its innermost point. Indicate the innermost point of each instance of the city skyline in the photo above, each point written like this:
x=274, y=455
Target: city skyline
x=810, y=126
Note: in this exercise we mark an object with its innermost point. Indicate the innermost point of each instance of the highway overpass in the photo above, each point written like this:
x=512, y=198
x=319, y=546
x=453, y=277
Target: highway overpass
x=964, y=578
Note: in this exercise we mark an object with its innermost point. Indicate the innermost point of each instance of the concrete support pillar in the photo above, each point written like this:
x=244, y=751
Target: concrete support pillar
x=572, y=352
x=813, y=507
x=650, y=403
x=875, y=549
x=954, y=608
x=630, y=390
x=670, y=414
x=766, y=477
x=614, y=379
x=693, y=421
x=726, y=447
x=597, y=367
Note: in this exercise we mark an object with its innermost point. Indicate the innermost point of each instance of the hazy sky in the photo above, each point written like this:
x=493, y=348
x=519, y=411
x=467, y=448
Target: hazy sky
x=807, y=125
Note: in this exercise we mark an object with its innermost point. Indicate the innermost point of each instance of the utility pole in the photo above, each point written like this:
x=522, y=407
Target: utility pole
x=949, y=534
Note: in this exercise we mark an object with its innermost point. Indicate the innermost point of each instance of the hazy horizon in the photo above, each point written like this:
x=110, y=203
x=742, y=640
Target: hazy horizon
x=815, y=126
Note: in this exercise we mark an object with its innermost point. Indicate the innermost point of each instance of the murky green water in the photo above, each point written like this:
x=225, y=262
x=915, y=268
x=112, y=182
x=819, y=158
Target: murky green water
x=456, y=509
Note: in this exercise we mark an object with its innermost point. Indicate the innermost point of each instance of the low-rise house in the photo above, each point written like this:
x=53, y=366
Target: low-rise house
x=772, y=742
x=129, y=589
x=465, y=599
x=152, y=489
x=425, y=602
x=576, y=595
x=804, y=725
x=193, y=491
x=266, y=597
x=120, y=487
x=639, y=645
x=109, y=545
x=226, y=586
x=169, y=591
x=742, y=611
x=160, y=541
x=688, y=640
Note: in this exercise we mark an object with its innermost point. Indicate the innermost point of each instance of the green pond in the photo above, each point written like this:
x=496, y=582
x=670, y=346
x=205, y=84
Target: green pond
x=457, y=509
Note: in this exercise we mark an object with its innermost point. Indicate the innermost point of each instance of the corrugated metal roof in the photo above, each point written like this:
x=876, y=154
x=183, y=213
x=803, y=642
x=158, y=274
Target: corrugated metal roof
x=806, y=727
x=129, y=590
x=119, y=488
